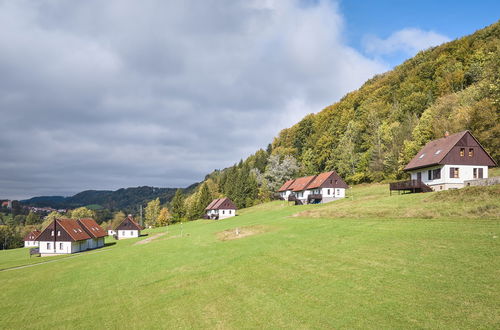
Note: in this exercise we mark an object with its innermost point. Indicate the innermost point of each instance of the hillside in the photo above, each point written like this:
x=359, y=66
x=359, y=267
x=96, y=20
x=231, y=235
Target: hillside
x=121, y=199
x=294, y=269
x=372, y=133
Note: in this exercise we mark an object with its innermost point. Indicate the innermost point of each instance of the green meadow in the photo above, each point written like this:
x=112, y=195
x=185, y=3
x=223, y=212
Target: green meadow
x=369, y=261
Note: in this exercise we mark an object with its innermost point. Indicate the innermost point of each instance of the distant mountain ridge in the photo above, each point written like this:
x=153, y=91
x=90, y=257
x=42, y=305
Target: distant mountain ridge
x=124, y=198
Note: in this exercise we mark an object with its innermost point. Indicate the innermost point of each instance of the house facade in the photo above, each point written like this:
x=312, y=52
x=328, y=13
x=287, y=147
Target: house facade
x=128, y=228
x=30, y=239
x=64, y=236
x=220, y=208
x=448, y=162
x=322, y=188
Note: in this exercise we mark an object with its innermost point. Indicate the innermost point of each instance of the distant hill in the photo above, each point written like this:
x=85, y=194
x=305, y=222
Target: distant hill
x=121, y=199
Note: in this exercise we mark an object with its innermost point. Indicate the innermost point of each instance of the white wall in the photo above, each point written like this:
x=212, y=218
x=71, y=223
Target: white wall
x=226, y=213
x=122, y=234
x=30, y=243
x=465, y=172
x=111, y=232
x=61, y=247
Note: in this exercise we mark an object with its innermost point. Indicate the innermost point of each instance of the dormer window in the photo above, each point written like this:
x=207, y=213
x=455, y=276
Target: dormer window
x=421, y=156
x=52, y=233
x=462, y=152
x=471, y=152
x=438, y=152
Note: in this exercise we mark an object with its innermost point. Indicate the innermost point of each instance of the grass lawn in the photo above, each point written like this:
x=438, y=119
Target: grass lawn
x=322, y=269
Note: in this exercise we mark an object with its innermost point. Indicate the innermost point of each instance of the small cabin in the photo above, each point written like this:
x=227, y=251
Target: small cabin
x=446, y=163
x=220, y=208
x=30, y=239
x=128, y=228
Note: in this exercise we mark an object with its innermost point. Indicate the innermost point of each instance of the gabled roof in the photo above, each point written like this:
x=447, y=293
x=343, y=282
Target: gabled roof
x=319, y=180
x=32, y=235
x=286, y=185
x=301, y=183
x=435, y=151
x=92, y=228
x=129, y=224
x=73, y=228
x=221, y=203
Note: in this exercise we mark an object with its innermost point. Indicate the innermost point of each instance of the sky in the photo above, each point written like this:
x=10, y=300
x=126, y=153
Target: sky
x=117, y=93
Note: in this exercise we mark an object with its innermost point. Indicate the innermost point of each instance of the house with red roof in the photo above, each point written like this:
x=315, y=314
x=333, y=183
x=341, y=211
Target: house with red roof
x=322, y=188
x=220, y=208
x=63, y=236
x=30, y=239
x=128, y=228
x=446, y=163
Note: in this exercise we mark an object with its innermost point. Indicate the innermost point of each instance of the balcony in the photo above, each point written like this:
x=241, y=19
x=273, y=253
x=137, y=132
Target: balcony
x=411, y=186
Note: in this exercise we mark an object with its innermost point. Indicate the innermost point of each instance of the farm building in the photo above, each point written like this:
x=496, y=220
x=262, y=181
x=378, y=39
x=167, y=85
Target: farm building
x=30, y=239
x=63, y=236
x=220, y=208
x=446, y=163
x=314, y=189
x=128, y=228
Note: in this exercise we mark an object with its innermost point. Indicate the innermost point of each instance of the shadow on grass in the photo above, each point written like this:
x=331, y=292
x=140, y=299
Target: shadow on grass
x=109, y=244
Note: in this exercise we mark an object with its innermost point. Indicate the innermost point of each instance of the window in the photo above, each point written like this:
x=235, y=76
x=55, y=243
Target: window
x=471, y=152
x=438, y=152
x=477, y=173
x=48, y=246
x=462, y=152
x=454, y=174
x=480, y=176
x=338, y=192
x=336, y=181
x=328, y=191
x=436, y=174
x=58, y=233
x=223, y=212
x=61, y=246
x=421, y=156
x=123, y=232
x=429, y=175
x=52, y=233
x=229, y=211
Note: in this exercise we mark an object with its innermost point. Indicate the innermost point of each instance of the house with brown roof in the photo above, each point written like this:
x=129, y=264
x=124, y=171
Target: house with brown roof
x=447, y=162
x=30, y=239
x=220, y=208
x=128, y=228
x=322, y=188
x=63, y=236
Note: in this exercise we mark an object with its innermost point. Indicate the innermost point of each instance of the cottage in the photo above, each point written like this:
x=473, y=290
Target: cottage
x=63, y=236
x=446, y=163
x=220, y=208
x=95, y=232
x=111, y=232
x=128, y=228
x=30, y=239
x=321, y=188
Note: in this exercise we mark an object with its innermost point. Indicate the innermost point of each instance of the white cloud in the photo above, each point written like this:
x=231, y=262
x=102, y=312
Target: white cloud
x=409, y=41
x=119, y=93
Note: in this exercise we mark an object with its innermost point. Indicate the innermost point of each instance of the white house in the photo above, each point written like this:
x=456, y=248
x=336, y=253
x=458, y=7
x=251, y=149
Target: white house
x=220, y=208
x=64, y=236
x=30, y=239
x=447, y=162
x=128, y=228
x=111, y=232
x=321, y=188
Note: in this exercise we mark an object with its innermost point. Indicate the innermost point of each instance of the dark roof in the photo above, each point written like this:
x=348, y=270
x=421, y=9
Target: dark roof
x=129, y=224
x=435, y=152
x=221, y=203
x=301, y=183
x=286, y=185
x=32, y=235
x=92, y=228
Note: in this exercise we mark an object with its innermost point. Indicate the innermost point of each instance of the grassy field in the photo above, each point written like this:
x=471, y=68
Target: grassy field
x=385, y=266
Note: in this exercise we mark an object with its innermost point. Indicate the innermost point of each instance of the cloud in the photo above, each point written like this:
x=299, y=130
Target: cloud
x=103, y=95
x=409, y=41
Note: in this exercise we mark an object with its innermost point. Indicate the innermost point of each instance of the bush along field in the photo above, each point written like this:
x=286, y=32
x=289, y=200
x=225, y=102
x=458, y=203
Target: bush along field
x=370, y=261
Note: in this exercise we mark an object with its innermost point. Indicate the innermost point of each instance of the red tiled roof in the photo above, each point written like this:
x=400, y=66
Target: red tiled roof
x=286, y=185
x=73, y=228
x=92, y=228
x=301, y=183
x=319, y=180
x=32, y=235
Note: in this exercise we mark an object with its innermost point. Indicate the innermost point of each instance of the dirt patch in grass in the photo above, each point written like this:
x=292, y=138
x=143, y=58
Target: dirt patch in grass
x=149, y=239
x=241, y=232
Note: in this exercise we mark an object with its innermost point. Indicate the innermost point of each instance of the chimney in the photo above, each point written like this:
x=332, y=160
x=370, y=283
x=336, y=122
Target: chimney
x=446, y=134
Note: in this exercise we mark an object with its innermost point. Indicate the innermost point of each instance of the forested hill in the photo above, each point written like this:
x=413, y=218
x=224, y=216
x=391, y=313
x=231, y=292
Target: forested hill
x=371, y=133
x=121, y=199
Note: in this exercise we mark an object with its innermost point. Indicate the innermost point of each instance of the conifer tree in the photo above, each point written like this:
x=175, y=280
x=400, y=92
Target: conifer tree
x=177, y=207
